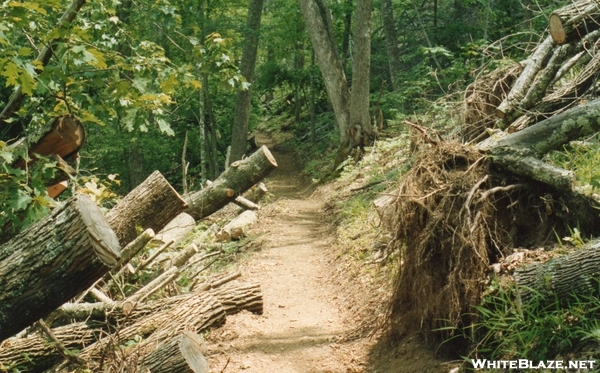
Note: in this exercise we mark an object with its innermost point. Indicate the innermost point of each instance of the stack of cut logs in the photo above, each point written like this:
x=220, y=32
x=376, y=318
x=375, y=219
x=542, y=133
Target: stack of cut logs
x=77, y=253
x=546, y=84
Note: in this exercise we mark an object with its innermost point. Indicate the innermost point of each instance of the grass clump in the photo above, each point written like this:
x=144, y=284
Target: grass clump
x=582, y=157
x=542, y=329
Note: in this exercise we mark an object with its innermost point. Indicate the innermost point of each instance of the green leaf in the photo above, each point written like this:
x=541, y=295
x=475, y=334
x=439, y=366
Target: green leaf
x=165, y=128
x=21, y=200
x=95, y=58
x=11, y=73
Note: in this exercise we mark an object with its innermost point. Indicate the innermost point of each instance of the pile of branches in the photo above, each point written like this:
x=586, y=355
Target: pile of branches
x=558, y=75
x=462, y=208
x=145, y=303
x=137, y=315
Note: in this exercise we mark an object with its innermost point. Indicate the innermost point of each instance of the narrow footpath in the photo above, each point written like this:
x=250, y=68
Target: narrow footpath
x=303, y=322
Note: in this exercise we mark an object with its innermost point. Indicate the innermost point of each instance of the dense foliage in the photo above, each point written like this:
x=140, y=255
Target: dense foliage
x=144, y=76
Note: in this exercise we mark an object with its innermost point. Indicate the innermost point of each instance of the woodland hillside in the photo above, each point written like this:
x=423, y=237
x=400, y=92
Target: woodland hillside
x=157, y=155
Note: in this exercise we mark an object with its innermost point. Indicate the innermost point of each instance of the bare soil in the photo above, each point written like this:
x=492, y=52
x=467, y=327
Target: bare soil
x=310, y=323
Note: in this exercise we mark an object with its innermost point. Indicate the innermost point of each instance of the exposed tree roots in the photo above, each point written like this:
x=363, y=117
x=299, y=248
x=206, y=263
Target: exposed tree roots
x=455, y=216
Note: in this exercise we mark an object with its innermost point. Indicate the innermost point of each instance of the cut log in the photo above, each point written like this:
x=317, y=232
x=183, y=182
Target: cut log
x=554, y=132
x=196, y=312
x=52, y=261
x=568, y=94
x=180, y=354
x=234, y=181
x=534, y=64
x=235, y=229
x=234, y=296
x=573, y=21
x=63, y=136
x=560, y=278
x=521, y=164
x=34, y=354
x=152, y=204
x=135, y=246
x=257, y=192
x=177, y=230
x=246, y=204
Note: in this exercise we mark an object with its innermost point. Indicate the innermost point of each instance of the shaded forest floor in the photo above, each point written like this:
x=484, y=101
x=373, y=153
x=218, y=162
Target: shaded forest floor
x=316, y=318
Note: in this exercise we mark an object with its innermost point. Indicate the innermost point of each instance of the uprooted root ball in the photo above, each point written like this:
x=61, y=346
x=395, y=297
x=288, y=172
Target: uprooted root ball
x=452, y=219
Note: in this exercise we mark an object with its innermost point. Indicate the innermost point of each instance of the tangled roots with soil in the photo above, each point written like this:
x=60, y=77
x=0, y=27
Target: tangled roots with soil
x=450, y=231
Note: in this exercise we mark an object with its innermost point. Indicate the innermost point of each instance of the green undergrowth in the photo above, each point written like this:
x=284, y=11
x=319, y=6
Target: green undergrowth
x=581, y=157
x=543, y=329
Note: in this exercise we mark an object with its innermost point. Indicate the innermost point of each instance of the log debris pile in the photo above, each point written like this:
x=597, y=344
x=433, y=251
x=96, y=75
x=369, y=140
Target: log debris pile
x=560, y=74
x=110, y=299
x=462, y=208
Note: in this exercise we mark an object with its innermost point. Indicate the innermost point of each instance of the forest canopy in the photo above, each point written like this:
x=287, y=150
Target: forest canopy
x=152, y=80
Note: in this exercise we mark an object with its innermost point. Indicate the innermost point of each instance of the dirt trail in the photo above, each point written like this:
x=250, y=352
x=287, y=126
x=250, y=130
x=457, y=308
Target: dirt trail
x=302, y=321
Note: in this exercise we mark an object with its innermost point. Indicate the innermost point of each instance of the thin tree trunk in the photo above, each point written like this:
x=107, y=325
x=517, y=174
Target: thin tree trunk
x=391, y=41
x=347, y=32
x=313, y=120
x=361, y=66
x=318, y=23
x=239, y=131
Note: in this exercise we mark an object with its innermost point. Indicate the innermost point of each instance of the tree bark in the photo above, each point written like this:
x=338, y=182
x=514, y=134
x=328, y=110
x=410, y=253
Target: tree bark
x=52, y=261
x=237, y=179
x=360, y=127
x=534, y=64
x=553, y=132
x=318, y=23
x=562, y=277
x=34, y=354
x=234, y=230
x=179, y=354
x=573, y=21
x=239, y=130
x=152, y=204
x=391, y=42
x=43, y=57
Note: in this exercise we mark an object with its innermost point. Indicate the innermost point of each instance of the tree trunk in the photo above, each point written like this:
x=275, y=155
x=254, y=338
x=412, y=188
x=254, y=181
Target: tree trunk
x=153, y=204
x=136, y=165
x=234, y=230
x=179, y=354
x=346, y=35
x=52, y=261
x=34, y=354
x=239, y=130
x=533, y=65
x=573, y=21
x=360, y=126
x=240, y=177
x=63, y=136
x=391, y=42
x=562, y=277
x=318, y=23
x=553, y=132
x=43, y=57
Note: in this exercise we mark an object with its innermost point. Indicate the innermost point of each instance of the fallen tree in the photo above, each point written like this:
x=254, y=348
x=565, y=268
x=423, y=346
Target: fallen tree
x=52, y=261
x=162, y=319
x=562, y=277
x=238, y=178
x=460, y=208
x=151, y=205
x=34, y=353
